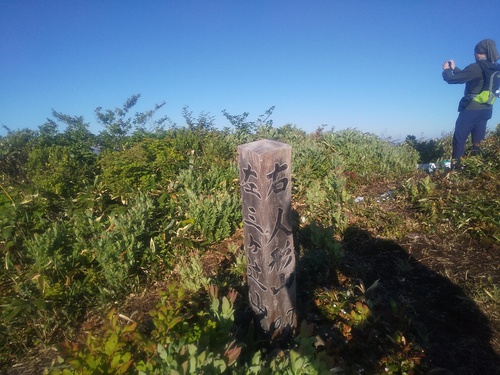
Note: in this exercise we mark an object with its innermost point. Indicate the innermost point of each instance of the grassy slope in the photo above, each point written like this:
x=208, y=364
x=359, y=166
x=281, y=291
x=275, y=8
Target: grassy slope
x=433, y=267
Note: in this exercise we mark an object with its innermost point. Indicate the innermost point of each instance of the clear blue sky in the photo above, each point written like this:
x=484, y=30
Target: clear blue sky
x=373, y=65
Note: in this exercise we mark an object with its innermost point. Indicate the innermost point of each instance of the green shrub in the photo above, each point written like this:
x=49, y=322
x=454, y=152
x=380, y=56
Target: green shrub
x=370, y=157
x=191, y=273
x=49, y=290
x=211, y=201
x=168, y=349
x=121, y=248
x=183, y=343
x=455, y=199
x=325, y=202
x=214, y=217
x=311, y=163
x=145, y=166
x=431, y=150
x=58, y=170
x=14, y=152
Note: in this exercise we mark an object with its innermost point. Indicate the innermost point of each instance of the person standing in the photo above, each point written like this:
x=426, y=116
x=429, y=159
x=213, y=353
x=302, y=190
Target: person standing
x=473, y=115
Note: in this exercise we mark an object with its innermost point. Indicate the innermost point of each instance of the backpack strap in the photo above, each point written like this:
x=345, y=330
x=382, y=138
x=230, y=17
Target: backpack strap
x=491, y=78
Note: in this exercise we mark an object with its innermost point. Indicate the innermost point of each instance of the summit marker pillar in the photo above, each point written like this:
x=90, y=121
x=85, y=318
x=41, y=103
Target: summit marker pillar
x=265, y=183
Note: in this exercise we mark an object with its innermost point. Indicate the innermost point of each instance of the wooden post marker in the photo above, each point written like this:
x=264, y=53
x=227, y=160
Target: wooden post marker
x=265, y=180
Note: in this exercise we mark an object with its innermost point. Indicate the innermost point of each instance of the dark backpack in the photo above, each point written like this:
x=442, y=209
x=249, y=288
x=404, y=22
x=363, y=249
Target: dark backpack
x=491, y=87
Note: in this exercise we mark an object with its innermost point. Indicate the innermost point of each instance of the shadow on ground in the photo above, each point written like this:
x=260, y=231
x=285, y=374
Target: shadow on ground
x=450, y=332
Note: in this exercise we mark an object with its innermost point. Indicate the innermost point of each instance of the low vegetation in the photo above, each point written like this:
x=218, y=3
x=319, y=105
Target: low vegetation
x=122, y=252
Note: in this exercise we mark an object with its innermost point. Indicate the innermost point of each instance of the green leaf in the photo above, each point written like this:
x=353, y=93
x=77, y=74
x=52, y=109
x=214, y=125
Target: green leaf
x=293, y=358
x=162, y=352
x=220, y=365
x=116, y=360
x=226, y=307
x=13, y=313
x=40, y=304
x=215, y=305
x=202, y=357
x=127, y=362
x=111, y=344
x=192, y=365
